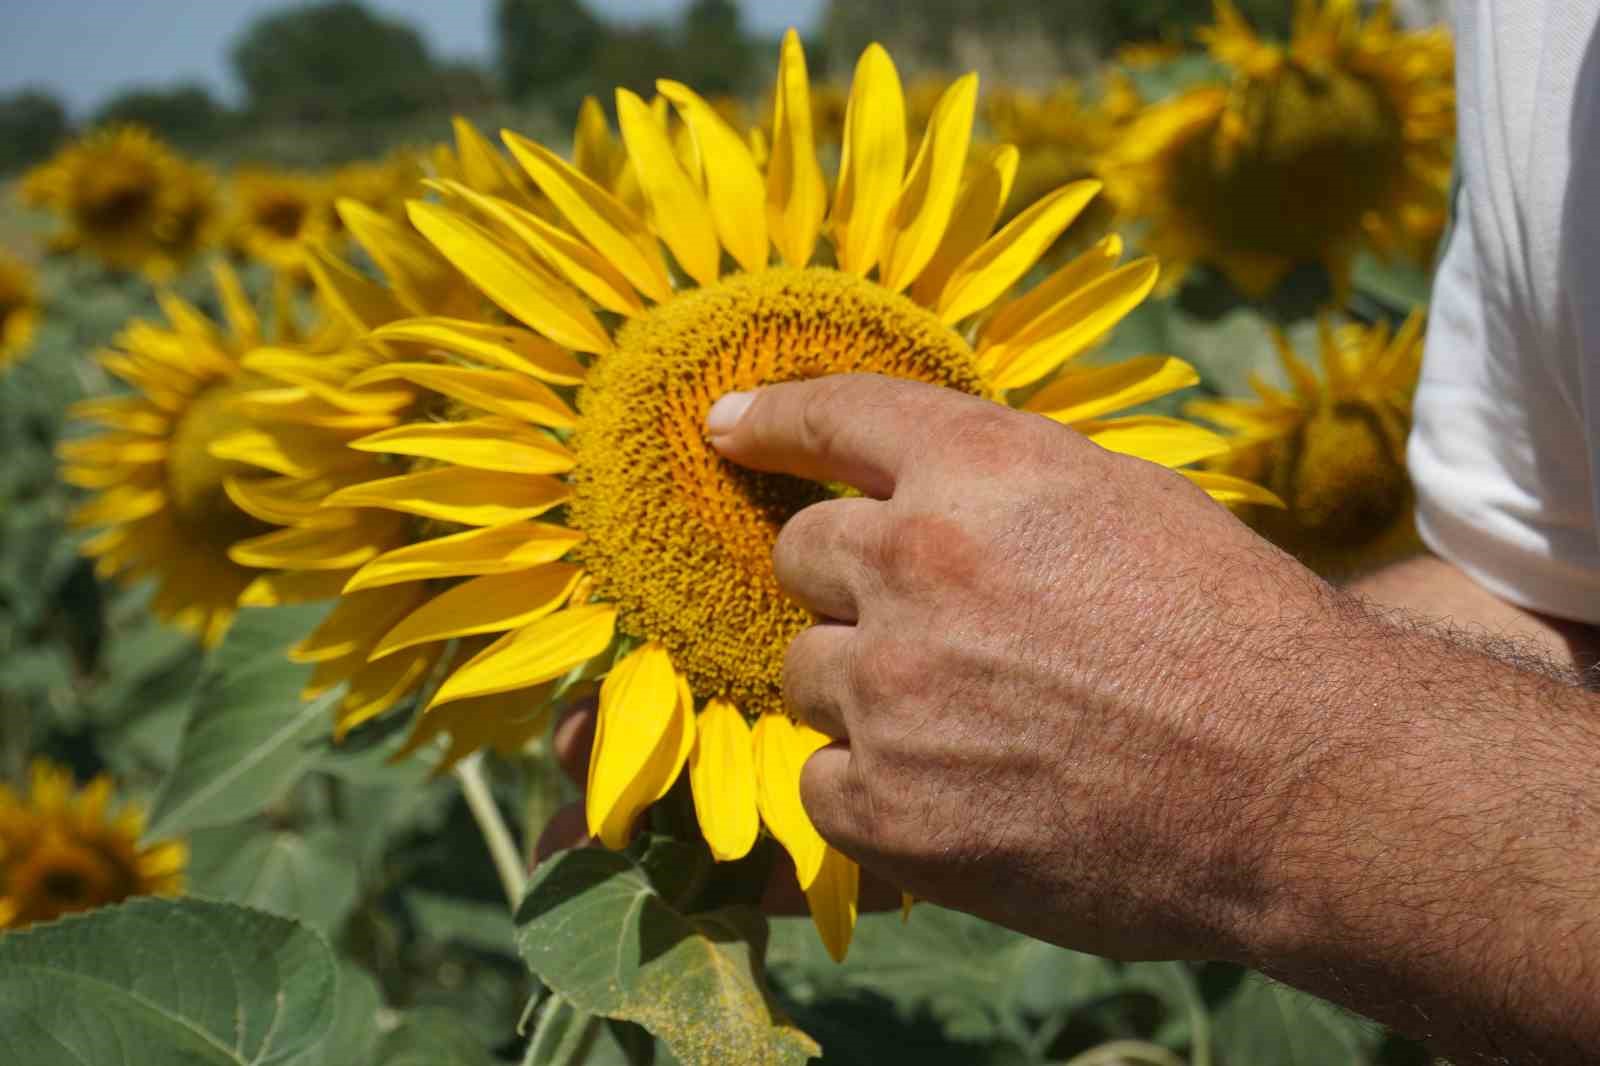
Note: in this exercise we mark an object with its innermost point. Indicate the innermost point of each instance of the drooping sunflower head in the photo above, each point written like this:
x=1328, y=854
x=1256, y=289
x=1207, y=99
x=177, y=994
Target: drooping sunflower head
x=545, y=510
x=1333, y=449
x=64, y=850
x=277, y=215
x=1338, y=139
x=19, y=308
x=159, y=494
x=122, y=195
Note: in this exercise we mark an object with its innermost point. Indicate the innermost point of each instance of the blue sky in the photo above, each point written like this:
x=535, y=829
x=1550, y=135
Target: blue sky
x=84, y=50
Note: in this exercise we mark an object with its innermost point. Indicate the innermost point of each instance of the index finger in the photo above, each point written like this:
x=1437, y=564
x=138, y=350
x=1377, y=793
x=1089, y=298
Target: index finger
x=861, y=429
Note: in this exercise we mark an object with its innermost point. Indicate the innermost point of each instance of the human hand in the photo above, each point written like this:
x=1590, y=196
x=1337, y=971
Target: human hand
x=1034, y=656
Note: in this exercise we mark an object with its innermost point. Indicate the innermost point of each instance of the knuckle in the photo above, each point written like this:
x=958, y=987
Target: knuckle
x=884, y=672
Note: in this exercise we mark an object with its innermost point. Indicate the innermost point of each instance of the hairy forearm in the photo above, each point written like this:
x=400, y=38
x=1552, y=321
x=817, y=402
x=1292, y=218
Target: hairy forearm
x=1438, y=856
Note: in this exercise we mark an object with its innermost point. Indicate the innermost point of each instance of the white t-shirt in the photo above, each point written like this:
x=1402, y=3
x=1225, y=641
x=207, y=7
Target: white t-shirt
x=1505, y=449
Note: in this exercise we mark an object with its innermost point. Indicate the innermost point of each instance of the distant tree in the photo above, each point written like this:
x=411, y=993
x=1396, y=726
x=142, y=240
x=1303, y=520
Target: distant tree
x=329, y=62
x=633, y=57
x=186, y=114
x=545, y=46
x=32, y=124
x=717, y=56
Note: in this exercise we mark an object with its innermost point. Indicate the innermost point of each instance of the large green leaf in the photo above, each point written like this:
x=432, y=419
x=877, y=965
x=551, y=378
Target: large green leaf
x=310, y=876
x=433, y=1037
x=249, y=735
x=352, y=1040
x=1264, y=1023
x=598, y=933
x=185, y=982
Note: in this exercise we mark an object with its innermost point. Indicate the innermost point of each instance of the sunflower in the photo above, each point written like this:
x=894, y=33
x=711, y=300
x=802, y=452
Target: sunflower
x=1059, y=137
x=1340, y=139
x=124, y=197
x=564, y=519
x=383, y=185
x=277, y=214
x=64, y=850
x=158, y=489
x=19, y=308
x=1332, y=449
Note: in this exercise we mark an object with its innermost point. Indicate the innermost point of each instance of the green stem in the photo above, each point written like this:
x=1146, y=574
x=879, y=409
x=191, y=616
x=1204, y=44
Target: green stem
x=502, y=849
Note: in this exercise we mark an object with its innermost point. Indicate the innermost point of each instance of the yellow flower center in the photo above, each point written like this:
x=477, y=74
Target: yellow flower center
x=680, y=539
x=1345, y=479
x=1323, y=148
x=195, y=476
x=116, y=197
x=282, y=216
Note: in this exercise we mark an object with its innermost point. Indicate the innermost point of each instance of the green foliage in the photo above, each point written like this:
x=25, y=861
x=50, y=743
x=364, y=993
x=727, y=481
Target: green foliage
x=249, y=735
x=186, y=981
x=600, y=934
x=32, y=124
x=544, y=45
x=187, y=115
x=331, y=62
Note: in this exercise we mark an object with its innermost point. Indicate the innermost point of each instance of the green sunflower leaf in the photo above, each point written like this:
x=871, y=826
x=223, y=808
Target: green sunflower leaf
x=188, y=981
x=599, y=934
x=310, y=876
x=433, y=1037
x=249, y=736
x=1264, y=1023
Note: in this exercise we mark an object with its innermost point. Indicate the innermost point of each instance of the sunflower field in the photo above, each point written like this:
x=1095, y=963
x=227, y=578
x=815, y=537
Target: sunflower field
x=390, y=670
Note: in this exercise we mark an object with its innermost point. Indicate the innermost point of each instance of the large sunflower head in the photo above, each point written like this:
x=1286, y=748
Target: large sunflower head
x=124, y=197
x=64, y=850
x=554, y=513
x=159, y=496
x=1332, y=448
x=277, y=215
x=1339, y=138
x=19, y=307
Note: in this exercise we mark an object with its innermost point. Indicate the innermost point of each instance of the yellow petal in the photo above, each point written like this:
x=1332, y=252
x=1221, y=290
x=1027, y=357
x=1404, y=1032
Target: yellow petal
x=594, y=150
x=1069, y=327
x=1083, y=394
x=360, y=302
x=1167, y=441
x=282, y=501
x=506, y=722
x=872, y=163
x=377, y=687
x=528, y=294
x=538, y=652
x=457, y=494
x=493, y=604
x=637, y=742
x=991, y=270
x=983, y=195
x=796, y=193
x=500, y=391
x=680, y=212
x=118, y=505
x=482, y=166
x=507, y=347
x=237, y=307
x=1095, y=263
x=326, y=379
x=1225, y=488
x=337, y=548
x=832, y=899
x=281, y=450
x=484, y=444
x=293, y=586
x=929, y=195
x=495, y=550
x=568, y=256
x=121, y=412
x=420, y=278
x=781, y=750
x=356, y=622
x=600, y=218
x=735, y=190
x=722, y=775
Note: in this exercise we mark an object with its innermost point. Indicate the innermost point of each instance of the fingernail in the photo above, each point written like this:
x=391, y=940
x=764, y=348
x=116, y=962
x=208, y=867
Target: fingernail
x=726, y=412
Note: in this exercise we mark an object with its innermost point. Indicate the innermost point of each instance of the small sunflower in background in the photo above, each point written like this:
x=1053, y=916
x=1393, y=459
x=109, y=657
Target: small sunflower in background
x=276, y=215
x=1332, y=448
x=560, y=513
x=158, y=491
x=64, y=850
x=125, y=198
x=191, y=223
x=1339, y=139
x=19, y=308
x=383, y=184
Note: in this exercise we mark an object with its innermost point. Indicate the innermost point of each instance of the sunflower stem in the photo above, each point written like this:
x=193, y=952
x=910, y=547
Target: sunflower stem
x=502, y=849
